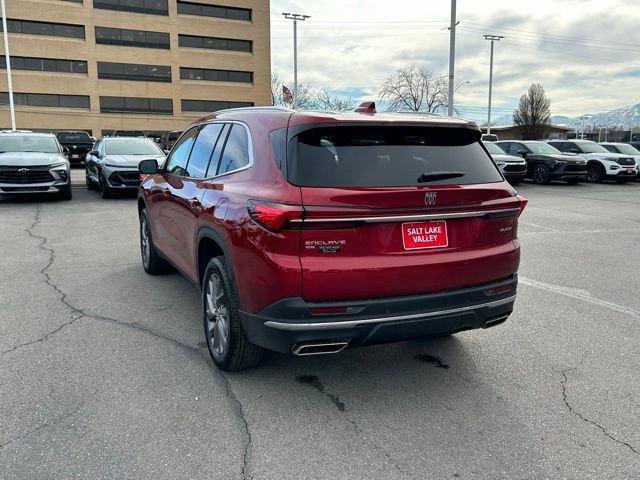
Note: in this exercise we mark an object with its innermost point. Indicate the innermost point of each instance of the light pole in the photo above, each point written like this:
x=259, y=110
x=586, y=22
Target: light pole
x=492, y=38
x=8, y=62
x=295, y=17
x=452, y=55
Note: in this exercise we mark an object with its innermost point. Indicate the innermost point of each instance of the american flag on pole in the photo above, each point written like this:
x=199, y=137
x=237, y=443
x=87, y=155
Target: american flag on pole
x=287, y=96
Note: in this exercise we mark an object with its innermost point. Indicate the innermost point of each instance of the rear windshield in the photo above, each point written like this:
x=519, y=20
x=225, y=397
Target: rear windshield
x=388, y=156
x=78, y=137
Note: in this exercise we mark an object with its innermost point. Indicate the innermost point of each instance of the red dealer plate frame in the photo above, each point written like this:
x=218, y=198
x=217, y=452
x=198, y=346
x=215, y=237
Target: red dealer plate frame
x=409, y=241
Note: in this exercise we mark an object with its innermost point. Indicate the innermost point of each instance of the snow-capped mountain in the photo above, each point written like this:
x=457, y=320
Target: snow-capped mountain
x=624, y=117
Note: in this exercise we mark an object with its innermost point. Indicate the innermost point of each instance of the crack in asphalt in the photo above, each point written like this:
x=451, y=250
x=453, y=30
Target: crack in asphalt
x=193, y=351
x=314, y=382
x=565, y=397
x=56, y=420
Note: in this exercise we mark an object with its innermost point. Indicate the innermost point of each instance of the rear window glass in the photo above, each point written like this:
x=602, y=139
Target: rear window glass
x=73, y=137
x=388, y=157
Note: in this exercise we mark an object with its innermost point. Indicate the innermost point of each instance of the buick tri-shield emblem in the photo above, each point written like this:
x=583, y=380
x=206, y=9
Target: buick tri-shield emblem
x=430, y=198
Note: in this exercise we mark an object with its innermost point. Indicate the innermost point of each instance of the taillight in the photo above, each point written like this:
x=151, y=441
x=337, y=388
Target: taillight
x=523, y=203
x=273, y=216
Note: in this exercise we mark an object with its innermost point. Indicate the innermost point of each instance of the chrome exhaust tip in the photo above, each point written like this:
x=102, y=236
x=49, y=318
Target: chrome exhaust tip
x=495, y=321
x=320, y=348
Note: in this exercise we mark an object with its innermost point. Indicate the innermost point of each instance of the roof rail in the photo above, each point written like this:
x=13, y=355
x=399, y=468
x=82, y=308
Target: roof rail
x=258, y=108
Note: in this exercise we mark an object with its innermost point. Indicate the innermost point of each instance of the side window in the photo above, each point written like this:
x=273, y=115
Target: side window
x=217, y=151
x=236, y=150
x=504, y=146
x=562, y=146
x=202, y=150
x=177, y=161
x=514, y=148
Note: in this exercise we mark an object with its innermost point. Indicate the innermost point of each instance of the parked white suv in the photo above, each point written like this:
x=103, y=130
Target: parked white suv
x=626, y=150
x=601, y=163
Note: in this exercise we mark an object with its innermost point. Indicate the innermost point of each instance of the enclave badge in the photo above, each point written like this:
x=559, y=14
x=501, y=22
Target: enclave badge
x=430, y=198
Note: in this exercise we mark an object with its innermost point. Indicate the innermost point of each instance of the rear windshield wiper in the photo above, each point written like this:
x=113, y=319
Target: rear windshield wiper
x=425, y=177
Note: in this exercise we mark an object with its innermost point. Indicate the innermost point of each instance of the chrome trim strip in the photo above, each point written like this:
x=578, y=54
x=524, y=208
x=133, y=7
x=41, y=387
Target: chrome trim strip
x=408, y=218
x=367, y=321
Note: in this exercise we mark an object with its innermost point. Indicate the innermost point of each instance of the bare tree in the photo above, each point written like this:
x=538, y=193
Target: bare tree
x=325, y=100
x=415, y=89
x=305, y=95
x=533, y=113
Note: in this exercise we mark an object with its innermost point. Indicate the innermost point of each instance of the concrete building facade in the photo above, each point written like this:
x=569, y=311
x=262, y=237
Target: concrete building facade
x=152, y=65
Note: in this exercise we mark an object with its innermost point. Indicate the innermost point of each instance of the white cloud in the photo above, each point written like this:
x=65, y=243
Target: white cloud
x=585, y=53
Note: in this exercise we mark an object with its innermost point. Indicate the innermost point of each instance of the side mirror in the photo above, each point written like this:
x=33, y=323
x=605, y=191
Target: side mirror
x=65, y=150
x=522, y=153
x=93, y=139
x=94, y=153
x=149, y=167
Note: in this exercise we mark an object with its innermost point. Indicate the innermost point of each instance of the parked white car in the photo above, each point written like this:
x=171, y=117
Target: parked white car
x=601, y=163
x=624, y=149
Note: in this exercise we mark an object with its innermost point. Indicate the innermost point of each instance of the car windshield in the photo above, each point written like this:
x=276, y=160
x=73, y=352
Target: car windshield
x=494, y=149
x=627, y=149
x=70, y=137
x=588, y=147
x=28, y=143
x=131, y=146
x=129, y=133
x=542, y=148
x=389, y=156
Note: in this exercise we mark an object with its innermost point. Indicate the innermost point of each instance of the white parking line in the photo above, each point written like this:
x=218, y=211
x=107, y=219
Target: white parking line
x=579, y=295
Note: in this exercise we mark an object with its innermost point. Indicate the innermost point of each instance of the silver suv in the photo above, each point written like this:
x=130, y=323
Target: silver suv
x=33, y=163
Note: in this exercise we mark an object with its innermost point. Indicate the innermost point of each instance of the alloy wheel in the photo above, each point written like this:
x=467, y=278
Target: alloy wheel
x=217, y=315
x=540, y=174
x=145, y=240
x=593, y=174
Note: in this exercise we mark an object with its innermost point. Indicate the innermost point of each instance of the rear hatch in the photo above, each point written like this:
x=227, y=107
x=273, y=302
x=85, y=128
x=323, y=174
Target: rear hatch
x=395, y=210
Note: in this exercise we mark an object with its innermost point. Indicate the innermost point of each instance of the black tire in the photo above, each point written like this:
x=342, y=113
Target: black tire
x=105, y=192
x=595, y=173
x=541, y=174
x=65, y=193
x=235, y=352
x=152, y=263
x=573, y=181
x=90, y=184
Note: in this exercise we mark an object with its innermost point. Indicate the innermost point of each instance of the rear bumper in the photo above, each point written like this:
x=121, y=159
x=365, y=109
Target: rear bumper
x=289, y=322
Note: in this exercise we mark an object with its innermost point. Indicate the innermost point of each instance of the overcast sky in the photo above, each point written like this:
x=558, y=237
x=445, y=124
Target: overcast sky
x=585, y=53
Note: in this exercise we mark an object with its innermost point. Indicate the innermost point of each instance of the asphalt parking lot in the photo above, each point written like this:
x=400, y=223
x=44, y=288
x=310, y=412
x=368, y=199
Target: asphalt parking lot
x=103, y=373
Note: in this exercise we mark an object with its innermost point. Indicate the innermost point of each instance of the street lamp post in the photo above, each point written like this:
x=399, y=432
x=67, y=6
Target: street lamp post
x=8, y=62
x=296, y=17
x=492, y=38
x=452, y=56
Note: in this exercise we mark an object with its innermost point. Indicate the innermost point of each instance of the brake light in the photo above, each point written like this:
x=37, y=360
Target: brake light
x=273, y=216
x=523, y=203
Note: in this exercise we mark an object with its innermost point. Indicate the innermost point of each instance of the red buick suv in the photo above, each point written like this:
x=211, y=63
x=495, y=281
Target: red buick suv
x=310, y=232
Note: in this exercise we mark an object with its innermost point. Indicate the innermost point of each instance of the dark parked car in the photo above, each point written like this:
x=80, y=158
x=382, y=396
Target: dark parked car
x=77, y=145
x=33, y=163
x=514, y=168
x=310, y=232
x=168, y=139
x=112, y=166
x=545, y=163
x=128, y=133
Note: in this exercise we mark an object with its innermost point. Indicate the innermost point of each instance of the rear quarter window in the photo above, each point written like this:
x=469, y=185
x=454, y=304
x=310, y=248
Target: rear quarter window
x=387, y=156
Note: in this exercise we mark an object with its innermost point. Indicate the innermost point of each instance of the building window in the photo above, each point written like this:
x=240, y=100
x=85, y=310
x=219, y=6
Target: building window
x=215, y=43
x=132, y=38
x=155, y=106
x=46, y=100
x=133, y=71
x=211, y=105
x=44, y=28
x=45, y=64
x=74, y=1
x=212, y=75
x=157, y=7
x=201, y=9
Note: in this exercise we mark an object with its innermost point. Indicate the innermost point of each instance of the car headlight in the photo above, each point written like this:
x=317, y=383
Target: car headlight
x=58, y=165
x=500, y=164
